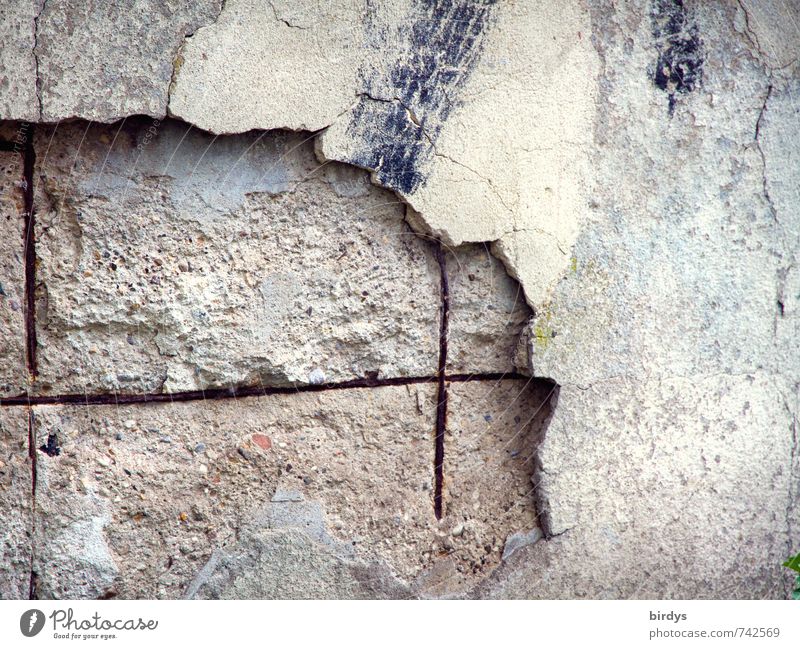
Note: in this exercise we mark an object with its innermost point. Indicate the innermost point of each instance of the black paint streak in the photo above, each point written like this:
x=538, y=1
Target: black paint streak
x=679, y=68
x=395, y=135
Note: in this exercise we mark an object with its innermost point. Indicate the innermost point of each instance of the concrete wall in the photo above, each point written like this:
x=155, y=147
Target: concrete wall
x=418, y=299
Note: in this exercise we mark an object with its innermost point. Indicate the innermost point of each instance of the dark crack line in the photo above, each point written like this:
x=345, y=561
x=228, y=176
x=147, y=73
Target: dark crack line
x=441, y=399
x=29, y=250
x=210, y=394
x=756, y=136
x=35, y=54
x=29, y=236
x=283, y=20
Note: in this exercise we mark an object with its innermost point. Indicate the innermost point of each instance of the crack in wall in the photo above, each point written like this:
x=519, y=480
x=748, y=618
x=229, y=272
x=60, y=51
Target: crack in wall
x=35, y=54
x=765, y=188
x=540, y=499
x=791, y=502
x=117, y=398
x=445, y=42
x=749, y=30
x=441, y=398
x=177, y=60
x=283, y=20
x=29, y=237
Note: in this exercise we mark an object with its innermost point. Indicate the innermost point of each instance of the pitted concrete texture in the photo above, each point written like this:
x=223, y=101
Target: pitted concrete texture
x=16, y=500
x=13, y=371
x=487, y=312
x=132, y=501
x=172, y=260
x=674, y=488
x=493, y=432
x=18, y=98
x=105, y=61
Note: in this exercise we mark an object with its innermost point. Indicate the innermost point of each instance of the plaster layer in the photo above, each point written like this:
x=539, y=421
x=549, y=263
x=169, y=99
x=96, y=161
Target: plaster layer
x=670, y=488
x=276, y=64
x=674, y=440
x=693, y=230
x=426, y=97
x=773, y=29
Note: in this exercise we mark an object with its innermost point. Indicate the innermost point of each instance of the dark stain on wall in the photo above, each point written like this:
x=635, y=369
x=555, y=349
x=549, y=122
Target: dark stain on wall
x=679, y=68
x=404, y=107
x=51, y=447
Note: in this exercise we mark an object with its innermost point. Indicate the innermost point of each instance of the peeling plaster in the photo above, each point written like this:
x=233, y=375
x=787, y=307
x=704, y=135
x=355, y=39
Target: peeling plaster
x=643, y=248
x=441, y=132
x=348, y=75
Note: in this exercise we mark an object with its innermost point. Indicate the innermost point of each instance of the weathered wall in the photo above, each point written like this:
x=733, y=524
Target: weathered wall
x=630, y=164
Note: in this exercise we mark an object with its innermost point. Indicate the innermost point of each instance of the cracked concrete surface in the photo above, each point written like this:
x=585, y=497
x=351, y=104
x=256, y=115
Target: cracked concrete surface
x=159, y=488
x=670, y=335
x=16, y=504
x=772, y=28
x=252, y=70
x=249, y=245
x=103, y=74
x=666, y=488
x=699, y=243
x=13, y=372
x=631, y=166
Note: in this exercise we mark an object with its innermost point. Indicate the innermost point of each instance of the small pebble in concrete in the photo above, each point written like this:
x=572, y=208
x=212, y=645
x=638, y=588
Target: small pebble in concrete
x=262, y=441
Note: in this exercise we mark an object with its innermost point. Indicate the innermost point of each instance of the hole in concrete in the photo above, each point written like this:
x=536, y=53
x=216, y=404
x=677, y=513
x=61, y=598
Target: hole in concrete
x=176, y=268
